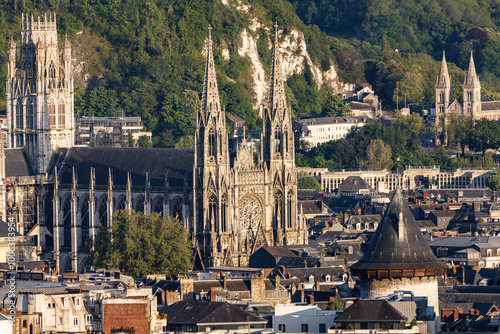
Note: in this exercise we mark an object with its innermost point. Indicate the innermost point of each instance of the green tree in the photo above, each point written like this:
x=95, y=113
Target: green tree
x=378, y=155
x=307, y=182
x=144, y=142
x=331, y=104
x=335, y=304
x=493, y=181
x=138, y=244
x=486, y=135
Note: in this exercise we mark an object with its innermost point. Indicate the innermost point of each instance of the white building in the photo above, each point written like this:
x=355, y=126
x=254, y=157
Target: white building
x=316, y=131
x=302, y=318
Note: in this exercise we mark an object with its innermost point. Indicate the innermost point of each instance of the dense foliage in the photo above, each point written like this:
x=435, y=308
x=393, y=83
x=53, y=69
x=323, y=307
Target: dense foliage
x=138, y=244
x=493, y=182
x=307, y=182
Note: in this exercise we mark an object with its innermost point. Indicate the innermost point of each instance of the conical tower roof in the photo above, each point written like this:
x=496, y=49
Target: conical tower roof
x=471, y=80
x=443, y=80
x=398, y=248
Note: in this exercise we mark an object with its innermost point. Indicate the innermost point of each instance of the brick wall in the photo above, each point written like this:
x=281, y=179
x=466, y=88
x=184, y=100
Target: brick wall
x=126, y=313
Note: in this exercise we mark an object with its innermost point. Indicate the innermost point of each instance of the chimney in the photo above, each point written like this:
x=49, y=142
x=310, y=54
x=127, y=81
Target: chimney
x=320, y=262
x=224, y=281
x=186, y=287
x=258, y=289
x=310, y=299
x=305, y=264
x=455, y=315
x=213, y=294
x=30, y=308
x=277, y=280
x=316, y=285
x=294, y=288
x=302, y=295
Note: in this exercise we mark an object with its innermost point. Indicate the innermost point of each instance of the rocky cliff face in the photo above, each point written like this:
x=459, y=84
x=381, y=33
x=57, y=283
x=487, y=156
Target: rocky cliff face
x=293, y=49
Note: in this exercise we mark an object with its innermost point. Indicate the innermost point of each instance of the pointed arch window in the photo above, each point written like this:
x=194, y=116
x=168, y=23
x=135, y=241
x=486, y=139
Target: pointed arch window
x=177, y=208
x=19, y=114
x=67, y=222
x=212, y=213
x=52, y=114
x=103, y=212
x=223, y=212
x=441, y=97
x=30, y=115
x=211, y=142
x=28, y=71
x=278, y=210
x=61, y=113
x=277, y=140
x=121, y=204
x=199, y=214
x=289, y=218
x=85, y=222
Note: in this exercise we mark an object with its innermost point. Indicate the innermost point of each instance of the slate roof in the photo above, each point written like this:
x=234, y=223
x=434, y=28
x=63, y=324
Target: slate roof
x=4, y=230
x=353, y=184
x=17, y=163
x=371, y=310
x=467, y=242
x=303, y=274
x=202, y=312
x=139, y=161
x=387, y=252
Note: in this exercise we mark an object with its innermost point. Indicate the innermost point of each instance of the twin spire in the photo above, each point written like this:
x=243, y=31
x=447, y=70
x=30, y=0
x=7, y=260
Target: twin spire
x=471, y=80
x=210, y=96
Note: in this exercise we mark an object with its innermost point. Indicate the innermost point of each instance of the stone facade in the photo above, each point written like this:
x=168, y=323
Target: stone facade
x=40, y=114
x=240, y=207
x=230, y=206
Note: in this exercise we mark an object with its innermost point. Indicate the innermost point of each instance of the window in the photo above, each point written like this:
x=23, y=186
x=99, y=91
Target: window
x=305, y=327
x=77, y=301
x=88, y=319
x=65, y=302
x=75, y=321
x=91, y=301
x=282, y=328
x=322, y=328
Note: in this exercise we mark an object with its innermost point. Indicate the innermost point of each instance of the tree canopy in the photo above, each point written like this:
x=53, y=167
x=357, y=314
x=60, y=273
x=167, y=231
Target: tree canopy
x=138, y=244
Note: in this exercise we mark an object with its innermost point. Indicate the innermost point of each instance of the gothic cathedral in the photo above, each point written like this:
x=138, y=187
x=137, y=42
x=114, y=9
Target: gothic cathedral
x=40, y=92
x=242, y=205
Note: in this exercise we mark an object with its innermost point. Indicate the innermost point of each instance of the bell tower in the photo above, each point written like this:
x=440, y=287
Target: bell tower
x=472, y=91
x=211, y=225
x=444, y=93
x=277, y=151
x=40, y=113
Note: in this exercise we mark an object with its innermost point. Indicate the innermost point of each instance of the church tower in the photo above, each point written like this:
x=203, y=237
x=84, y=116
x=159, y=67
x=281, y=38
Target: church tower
x=277, y=152
x=444, y=93
x=211, y=170
x=40, y=92
x=472, y=92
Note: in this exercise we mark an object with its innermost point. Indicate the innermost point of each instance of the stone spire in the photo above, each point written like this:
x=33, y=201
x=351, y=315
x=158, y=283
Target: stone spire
x=210, y=103
x=443, y=80
x=92, y=183
x=56, y=183
x=471, y=80
x=277, y=99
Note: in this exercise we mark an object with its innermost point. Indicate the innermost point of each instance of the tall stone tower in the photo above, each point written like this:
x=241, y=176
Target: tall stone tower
x=211, y=168
x=472, y=92
x=242, y=205
x=444, y=93
x=278, y=153
x=399, y=258
x=40, y=92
